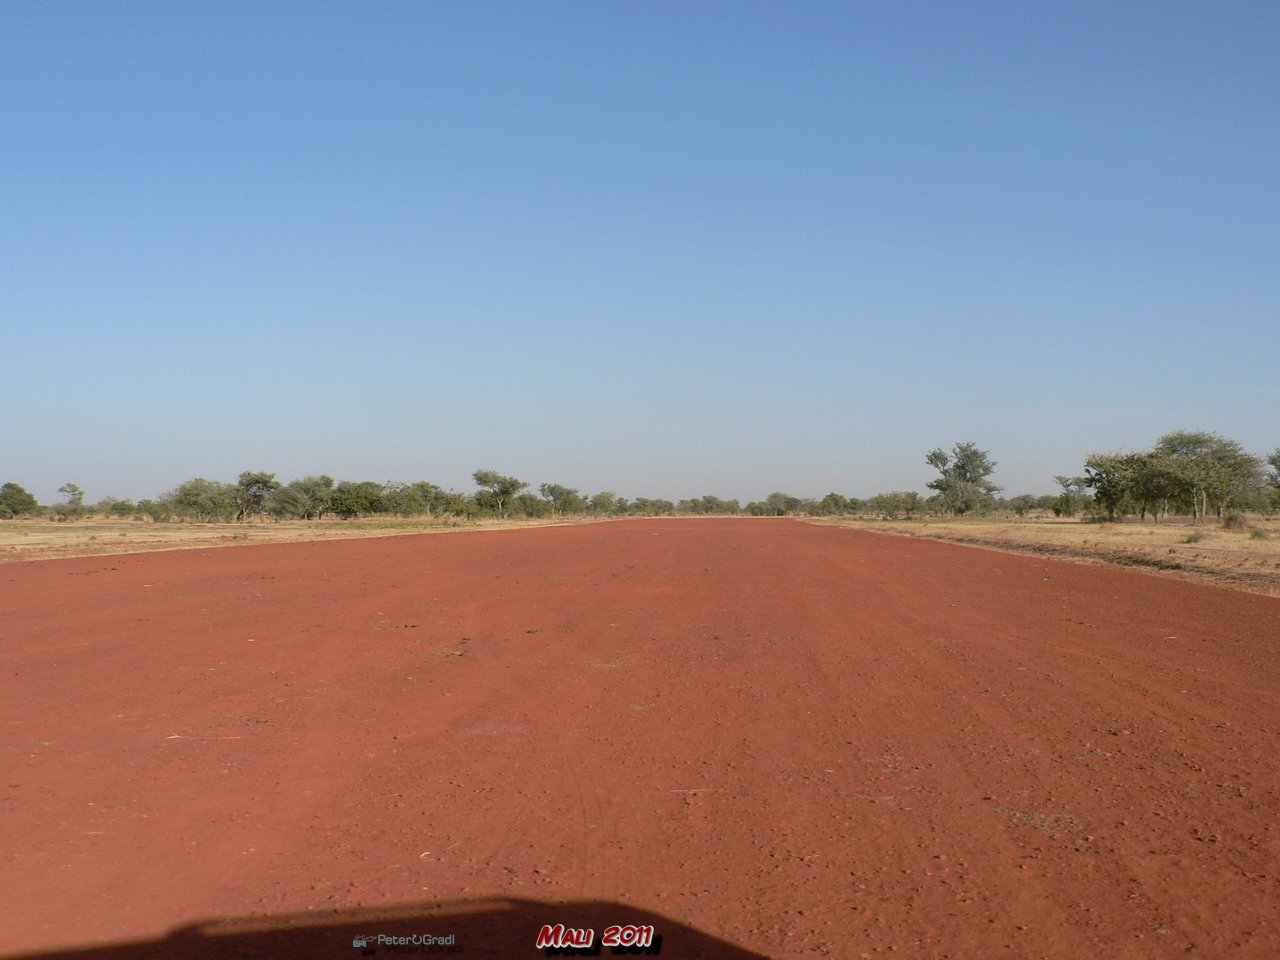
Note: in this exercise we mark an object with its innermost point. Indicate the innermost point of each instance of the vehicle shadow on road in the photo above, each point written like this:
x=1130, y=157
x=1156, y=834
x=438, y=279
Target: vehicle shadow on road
x=483, y=929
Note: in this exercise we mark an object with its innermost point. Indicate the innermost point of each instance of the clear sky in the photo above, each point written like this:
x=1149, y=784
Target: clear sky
x=668, y=249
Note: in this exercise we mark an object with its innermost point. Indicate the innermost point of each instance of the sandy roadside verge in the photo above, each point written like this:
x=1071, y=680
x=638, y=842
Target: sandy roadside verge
x=1245, y=559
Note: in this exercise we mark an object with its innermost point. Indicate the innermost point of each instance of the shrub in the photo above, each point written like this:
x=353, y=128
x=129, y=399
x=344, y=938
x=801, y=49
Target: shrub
x=1233, y=520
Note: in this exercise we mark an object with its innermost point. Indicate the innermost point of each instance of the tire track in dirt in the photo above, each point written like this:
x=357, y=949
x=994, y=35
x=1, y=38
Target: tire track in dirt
x=1048, y=703
x=932, y=838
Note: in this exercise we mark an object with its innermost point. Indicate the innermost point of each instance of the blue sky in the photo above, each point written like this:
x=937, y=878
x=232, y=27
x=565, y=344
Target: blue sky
x=666, y=249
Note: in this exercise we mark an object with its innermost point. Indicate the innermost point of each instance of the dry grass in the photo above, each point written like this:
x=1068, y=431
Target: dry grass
x=1247, y=558
x=47, y=539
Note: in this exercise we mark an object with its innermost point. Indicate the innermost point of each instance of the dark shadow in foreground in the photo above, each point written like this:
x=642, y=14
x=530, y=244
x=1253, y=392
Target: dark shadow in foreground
x=486, y=929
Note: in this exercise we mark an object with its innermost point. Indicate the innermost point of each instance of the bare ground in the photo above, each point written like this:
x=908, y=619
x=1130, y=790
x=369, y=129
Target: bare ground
x=1245, y=559
x=768, y=740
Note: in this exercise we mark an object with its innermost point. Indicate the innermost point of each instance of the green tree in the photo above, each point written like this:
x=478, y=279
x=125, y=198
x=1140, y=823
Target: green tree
x=316, y=495
x=562, y=499
x=1022, y=504
x=1151, y=483
x=1111, y=477
x=497, y=489
x=152, y=510
x=73, y=506
x=1185, y=454
x=895, y=503
x=74, y=495
x=652, y=508
x=709, y=504
x=287, y=503
x=529, y=504
x=402, y=499
x=964, y=482
x=431, y=496
x=15, y=501
x=355, y=499
x=455, y=504
x=607, y=502
x=833, y=503
x=1274, y=479
x=1073, y=497
x=776, y=504
x=1208, y=470
x=204, y=500
x=1236, y=478
x=252, y=491
x=781, y=504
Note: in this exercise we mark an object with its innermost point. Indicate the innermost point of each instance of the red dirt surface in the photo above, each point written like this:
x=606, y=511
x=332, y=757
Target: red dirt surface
x=765, y=738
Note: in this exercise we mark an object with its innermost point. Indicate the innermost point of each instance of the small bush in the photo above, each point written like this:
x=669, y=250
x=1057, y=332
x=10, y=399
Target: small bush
x=1258, y=534
x=1194, y=537
x=1233, y=520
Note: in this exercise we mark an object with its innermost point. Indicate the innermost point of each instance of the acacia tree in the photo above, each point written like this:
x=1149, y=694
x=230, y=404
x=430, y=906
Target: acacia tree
x=832, y=503
x=1073, y=495
x=287, y=503
x=896, y=502
x=562, y=499
x=74, y=495
x=204, y=499
x=659, y=507
x=498, y=489
x=351, y=498
x=1111, y=477
x=606, y=501
x=1153, y=483
x=1185, y=453
x=529, y=504
x=402, y=499
x=432, y=497
x=1235, y=477
x=964, y=484
x=316, y=494
x=1205, y=468
x=252, y=491
x=1192, y=470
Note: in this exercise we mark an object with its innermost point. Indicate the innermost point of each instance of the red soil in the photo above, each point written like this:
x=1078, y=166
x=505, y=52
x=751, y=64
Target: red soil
x=766, y=739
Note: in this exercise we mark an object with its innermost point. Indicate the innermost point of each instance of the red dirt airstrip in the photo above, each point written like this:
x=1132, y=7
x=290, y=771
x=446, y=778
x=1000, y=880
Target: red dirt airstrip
x=765, y=739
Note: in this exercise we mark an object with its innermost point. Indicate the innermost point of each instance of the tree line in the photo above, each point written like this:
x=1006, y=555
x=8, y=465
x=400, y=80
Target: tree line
x=1188, y=473
x=1185, y=473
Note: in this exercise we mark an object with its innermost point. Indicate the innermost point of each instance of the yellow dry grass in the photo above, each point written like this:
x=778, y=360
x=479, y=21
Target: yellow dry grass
x=95, y=536
x=1246, y=558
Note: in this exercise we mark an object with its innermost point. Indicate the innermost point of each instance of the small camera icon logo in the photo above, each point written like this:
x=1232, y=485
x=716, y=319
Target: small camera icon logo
x=359, y=942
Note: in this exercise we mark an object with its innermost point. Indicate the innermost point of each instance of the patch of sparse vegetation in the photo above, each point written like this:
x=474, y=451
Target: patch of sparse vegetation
x=1236, y=560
